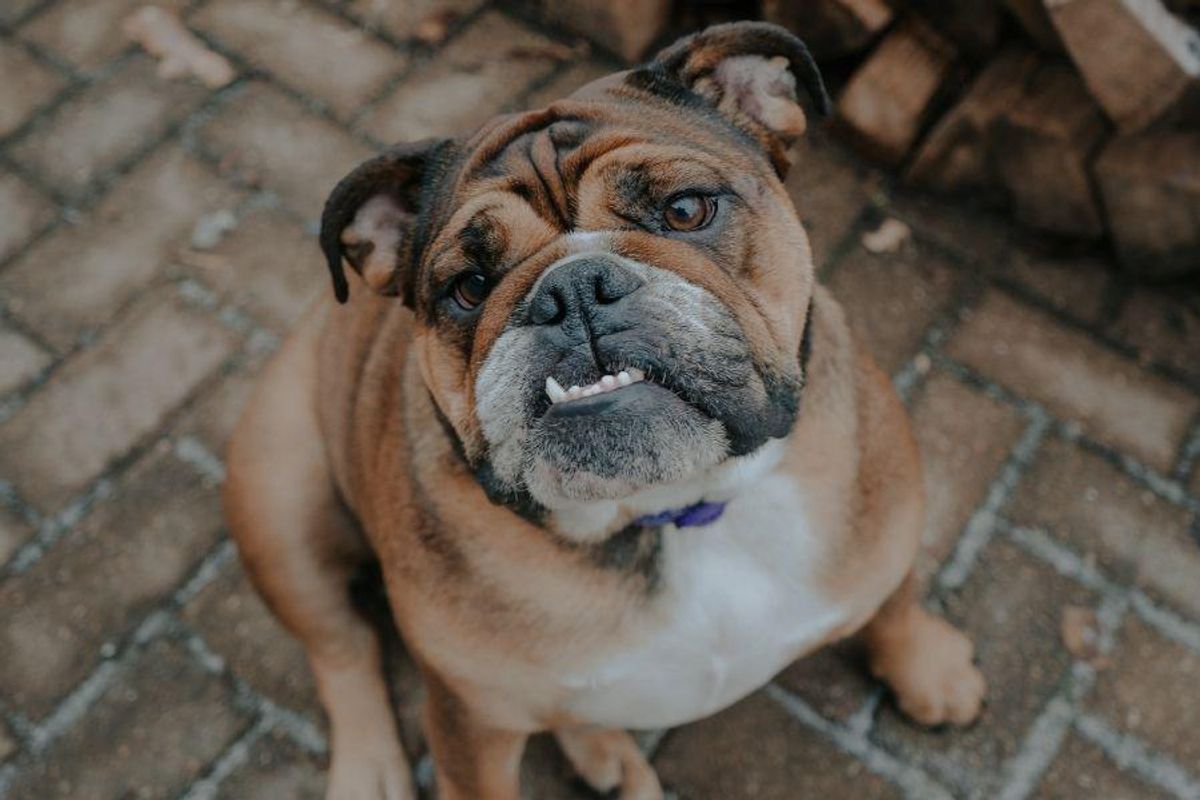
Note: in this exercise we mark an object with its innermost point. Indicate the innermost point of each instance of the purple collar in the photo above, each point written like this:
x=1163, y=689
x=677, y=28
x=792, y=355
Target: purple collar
x=702, y=513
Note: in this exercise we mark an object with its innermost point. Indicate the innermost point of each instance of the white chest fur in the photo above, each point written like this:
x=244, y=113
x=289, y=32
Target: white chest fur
x=738, y=602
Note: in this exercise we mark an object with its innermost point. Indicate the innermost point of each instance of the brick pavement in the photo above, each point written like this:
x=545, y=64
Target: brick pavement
x=1058, y=410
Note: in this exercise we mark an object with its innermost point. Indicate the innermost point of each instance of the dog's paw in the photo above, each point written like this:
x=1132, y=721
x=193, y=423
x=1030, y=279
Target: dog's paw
x=365, y=776
x=932, y=673
x=608, y=759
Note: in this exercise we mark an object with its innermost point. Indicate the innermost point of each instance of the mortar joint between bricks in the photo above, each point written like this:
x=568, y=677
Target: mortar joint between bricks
x=36, y=10
x=1129, y=752
x=1045, y=548
x=234, y=756
x=1045, y=736
x=247, y=74
x=1042, y=546
x=78, y=82
x=914, y=782
x=54, y=527
x=841, y=249
x=161, y=621
x=984, y=522
x=910, y=379
x=1178, y=629
x=1042, y=742
x=1099, y=334
x=1189, y=454
x=1164, y=486
x=418, y=58
x=297, y=726
x=1167, y=488
x=49, y=530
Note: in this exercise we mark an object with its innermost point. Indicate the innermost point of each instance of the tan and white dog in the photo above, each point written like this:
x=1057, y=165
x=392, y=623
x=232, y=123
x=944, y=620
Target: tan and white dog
x=615, y=452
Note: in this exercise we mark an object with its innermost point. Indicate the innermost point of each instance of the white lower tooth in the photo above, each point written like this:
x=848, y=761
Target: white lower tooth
x=623, y=378
x=608, y=382
x=555, y=390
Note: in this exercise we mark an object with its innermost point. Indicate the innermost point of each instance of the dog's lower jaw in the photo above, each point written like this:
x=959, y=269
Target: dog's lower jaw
x=594, y=521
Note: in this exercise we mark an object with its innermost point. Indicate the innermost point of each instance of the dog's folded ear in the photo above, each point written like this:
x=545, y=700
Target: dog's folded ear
x=749, y=72
x=370, y=218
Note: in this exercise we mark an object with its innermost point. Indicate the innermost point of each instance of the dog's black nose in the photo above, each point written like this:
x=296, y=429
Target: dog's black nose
x=579, y=288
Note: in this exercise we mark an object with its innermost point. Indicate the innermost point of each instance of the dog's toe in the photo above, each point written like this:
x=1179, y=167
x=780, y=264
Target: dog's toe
x=933, y=675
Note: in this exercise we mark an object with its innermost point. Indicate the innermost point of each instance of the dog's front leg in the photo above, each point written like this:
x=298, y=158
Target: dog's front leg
x=472, y=760
x=608, y=759
x=924, y=659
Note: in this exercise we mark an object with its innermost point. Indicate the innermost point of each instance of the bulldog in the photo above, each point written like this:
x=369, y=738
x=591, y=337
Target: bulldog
x=615, y=452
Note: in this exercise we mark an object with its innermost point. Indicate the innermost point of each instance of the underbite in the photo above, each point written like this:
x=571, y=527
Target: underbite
x=606, y=383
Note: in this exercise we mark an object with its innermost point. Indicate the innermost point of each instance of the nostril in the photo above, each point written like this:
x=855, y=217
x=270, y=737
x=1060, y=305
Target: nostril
x=547, y=308
x=613, y=284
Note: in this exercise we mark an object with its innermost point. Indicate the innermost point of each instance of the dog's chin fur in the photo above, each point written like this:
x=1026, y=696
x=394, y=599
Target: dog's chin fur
x=611, y=446
x=592, y=519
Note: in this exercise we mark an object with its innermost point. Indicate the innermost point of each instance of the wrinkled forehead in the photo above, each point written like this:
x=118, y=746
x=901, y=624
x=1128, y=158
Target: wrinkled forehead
x=548, y=150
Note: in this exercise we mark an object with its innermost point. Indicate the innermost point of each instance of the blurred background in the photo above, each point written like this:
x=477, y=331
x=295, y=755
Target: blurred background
x=1007, y=202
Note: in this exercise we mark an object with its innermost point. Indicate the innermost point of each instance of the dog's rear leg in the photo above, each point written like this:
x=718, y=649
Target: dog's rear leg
x=300, y=549
x=924, y=659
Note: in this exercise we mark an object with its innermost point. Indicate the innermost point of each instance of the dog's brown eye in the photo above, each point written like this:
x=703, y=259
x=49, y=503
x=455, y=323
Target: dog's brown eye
x=690, y=212
x=470, y=289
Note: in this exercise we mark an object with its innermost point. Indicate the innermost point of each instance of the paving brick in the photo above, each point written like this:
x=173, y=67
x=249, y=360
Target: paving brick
x=269, y=137
x=28, y=85
x=1130, y=532
x=103, y=578
x=1165, y=327
x=235, y=623
x=402, y=19
x=152, y=733
x=304, y=47
x=14, y=531
x=1076, y=378
x=104, y=126
x=73, y=281
x=567, y=81
x=1082, y=772
x=965, y=436
x=26, y=211
x=20, y=360
x=891, y=300
x=465, y=84
x=1074, y=286
x=829, y=190
x=212, y=417
x=106, y=400
x=1011, y=608
x=983, y=241
x=276, y=768
x=271, y=266
x=87, y=33
x=755, y=749
x=834, y=680
x=1150, y=692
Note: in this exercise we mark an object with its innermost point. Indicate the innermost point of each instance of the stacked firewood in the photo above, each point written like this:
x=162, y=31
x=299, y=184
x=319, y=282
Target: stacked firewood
x=1082, y=117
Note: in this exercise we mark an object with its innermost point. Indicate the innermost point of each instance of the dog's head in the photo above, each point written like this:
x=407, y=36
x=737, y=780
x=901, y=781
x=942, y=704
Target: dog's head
x=611, y=293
